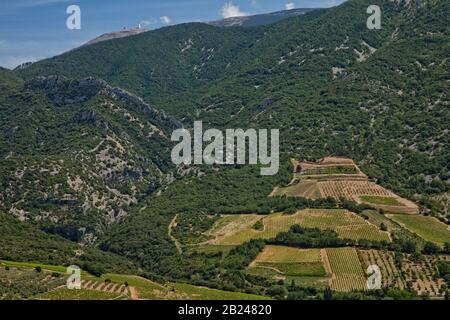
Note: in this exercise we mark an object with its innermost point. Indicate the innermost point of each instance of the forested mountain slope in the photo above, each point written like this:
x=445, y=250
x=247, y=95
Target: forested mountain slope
x=23, y=242
x=75, y=154
x=346, y=91
x=155, y=63
x=377, y=96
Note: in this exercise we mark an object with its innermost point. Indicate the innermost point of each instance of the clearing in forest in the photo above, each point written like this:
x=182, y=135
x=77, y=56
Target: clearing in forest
x=346, y=224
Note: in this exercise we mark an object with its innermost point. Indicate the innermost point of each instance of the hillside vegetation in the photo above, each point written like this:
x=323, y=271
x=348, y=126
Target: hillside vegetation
x=84, y=159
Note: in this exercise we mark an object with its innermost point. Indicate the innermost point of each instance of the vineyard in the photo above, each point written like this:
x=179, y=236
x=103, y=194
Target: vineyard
x=347, y=272
x=391, y=277
x=20, y=280
x=83, y=294
x=341, y=178
x=366, y=192
x=429, y=228
x=329, y=170
x=291, y=261
x=280, y=262
x=305, y=189
x=418, y=275
x=346, y=224
x=105, y=286
x=18, y=283
x=279, y=254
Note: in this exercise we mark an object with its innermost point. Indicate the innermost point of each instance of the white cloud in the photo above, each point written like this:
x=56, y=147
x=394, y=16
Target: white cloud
x=165, y=19
x=12, y=62
x=230, y=10
x=148, y=22
x=289, y=6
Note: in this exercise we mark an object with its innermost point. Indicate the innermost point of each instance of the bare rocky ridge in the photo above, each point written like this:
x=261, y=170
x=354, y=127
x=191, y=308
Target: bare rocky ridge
x=260, y=19
x=116, y=35
x=64, y=91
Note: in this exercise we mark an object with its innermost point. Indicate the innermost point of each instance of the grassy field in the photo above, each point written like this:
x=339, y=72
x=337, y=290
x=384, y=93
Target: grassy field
x=306, y=189
x=137, y=287
x=32, y=265
x=345, y=223
x=387, y=201
x=428, y=228
x=83, y=294
x=348, y=273
x=281, y=254
x=279, y=262
x=201, y=293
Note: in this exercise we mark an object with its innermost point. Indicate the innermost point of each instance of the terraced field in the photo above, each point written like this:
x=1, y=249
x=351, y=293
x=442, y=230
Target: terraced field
x=428, y=228
x=341, y=178
x=347, y=272
x=346, y=224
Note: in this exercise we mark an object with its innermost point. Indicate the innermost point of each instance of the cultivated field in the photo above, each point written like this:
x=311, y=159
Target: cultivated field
x=305, y=189
x=347, y=272
x=329, y=166
x=83, y=294
x=428, y=228
x=346, y=224
x=24, y=283
x=418, y=275
x=286, y=261
x=49, y=284
x=341, y=178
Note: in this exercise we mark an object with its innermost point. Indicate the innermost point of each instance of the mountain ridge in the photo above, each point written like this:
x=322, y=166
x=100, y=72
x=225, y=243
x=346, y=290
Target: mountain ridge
x=260, y=19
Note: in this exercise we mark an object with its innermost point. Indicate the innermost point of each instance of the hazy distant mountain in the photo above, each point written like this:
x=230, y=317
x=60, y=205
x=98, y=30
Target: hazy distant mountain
x=260, y=19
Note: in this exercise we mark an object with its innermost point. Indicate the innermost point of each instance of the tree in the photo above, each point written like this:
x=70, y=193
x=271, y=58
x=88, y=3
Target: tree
x=447, y=248
x=431, y=248
x=409, y=247
x=278, y=292
x=328, y=294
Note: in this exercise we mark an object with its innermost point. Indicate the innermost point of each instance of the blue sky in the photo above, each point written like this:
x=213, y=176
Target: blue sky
x=35, y=29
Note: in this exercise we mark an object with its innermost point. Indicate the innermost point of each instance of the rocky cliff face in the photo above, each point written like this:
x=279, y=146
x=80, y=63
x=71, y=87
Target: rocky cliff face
x=77, y=154
x=61, y=90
